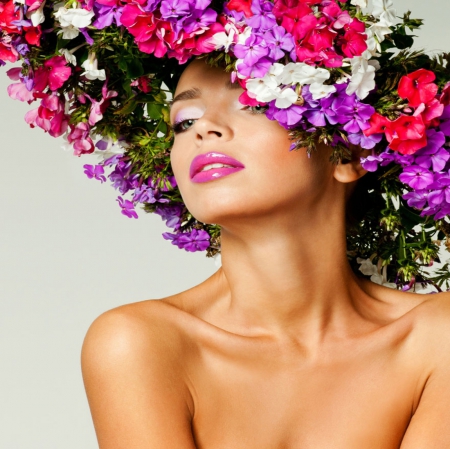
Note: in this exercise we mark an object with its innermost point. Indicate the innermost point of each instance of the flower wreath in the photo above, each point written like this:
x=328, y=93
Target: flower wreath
x=330, y=71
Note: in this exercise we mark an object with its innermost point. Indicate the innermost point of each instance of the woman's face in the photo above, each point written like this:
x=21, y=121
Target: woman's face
x=254, y=173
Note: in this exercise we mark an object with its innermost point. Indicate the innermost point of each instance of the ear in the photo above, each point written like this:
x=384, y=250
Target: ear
x=350, y=171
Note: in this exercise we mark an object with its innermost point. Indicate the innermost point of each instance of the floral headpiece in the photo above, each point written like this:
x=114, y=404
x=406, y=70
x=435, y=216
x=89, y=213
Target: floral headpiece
x=330, y=71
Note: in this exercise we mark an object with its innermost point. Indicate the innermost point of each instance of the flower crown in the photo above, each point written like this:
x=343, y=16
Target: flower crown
x=329, y=71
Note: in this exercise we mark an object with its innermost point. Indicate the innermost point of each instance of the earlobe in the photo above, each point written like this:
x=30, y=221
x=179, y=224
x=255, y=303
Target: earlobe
x=350, y=171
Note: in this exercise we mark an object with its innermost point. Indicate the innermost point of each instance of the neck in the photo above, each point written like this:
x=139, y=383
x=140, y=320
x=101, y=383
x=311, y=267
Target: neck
x=283, y=278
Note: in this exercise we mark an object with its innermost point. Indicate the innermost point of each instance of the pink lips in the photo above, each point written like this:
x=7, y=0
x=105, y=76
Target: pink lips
x=211, y=173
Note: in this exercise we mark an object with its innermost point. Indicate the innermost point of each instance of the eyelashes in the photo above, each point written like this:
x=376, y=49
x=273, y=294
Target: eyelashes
x=183, y=125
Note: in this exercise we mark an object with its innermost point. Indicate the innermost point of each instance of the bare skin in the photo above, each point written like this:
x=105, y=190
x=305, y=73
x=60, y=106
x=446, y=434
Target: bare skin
x=284, y=347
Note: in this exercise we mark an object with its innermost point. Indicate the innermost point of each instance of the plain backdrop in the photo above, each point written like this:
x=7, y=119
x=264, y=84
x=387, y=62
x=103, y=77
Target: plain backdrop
x=67, y=255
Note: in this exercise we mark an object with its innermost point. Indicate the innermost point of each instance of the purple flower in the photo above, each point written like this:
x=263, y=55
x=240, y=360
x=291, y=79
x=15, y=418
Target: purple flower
x=95, y=171
x=416, y=177
x=416, y=198
x=433, y=154
x=263, y=19
x=444, y=126
x=288, y=117
x=197, y=20
x=174, y=8
x=195, y=240
x=277, y=40
x=252, y=51
x=107, y=15
x=366, y=142
x=171, y=214
x=370, y=163
x=146, y=194
x=127, y=207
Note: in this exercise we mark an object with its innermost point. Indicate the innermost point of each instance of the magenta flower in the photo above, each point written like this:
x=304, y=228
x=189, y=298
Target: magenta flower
x=195, y=240
x=54, y=73
x=80, y=137
x=416, y=177
x=127, y=208
x=95, y=172
x=50, y=116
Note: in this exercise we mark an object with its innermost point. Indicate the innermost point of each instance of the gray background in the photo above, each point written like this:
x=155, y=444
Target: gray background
x=67, y=255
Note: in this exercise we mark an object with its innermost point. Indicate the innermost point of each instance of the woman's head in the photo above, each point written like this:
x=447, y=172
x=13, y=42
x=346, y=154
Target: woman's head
x=208, y=119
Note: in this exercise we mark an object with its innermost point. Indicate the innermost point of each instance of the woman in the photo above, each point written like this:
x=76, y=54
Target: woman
x=284, y=347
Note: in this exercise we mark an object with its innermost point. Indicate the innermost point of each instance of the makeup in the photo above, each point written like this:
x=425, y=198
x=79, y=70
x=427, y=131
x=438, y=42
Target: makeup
x=211, y=166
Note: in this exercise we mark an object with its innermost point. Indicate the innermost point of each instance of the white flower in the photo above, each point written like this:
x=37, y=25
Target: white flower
x=367, y=267
x=375, y=34
x=70, y=58
x=266, y=89
x=223, y=41
x=72, y=20
x=384, y=10
x=378, y=279
x=360, y=3
x=362, y=81
x=37, y=16
x=286, y=98
x=242, y=37
x=321, y=90
x=301, y=73
x=91, y=71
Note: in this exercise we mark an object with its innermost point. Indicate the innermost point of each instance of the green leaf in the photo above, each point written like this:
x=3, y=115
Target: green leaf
x=154, y=110
x=410, y=219
x=403, y=41
x=122, y=64
x=135, y=69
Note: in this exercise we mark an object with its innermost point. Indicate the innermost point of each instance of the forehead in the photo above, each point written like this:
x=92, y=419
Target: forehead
x=200, y=75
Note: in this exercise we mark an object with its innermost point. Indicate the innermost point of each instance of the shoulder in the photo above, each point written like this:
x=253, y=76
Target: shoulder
x=429, y=426
x=431, y=323
x=133, y=361
x=149, y=327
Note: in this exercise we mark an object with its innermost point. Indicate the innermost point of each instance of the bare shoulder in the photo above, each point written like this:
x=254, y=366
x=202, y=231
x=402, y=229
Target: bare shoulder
x=429, y=424
x=132, y=363
x=432, y=317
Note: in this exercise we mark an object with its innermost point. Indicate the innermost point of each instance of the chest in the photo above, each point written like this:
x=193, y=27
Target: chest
x=268, y=401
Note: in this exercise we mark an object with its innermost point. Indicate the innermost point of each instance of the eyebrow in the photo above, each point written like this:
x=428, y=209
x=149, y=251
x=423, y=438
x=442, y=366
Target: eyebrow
x=194, y=93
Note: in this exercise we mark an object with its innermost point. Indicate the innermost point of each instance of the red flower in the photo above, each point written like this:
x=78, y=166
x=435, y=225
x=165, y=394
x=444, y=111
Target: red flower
x=244, y=6
x=379, y=125
x=418, y=87
x=409, y=134
x=8, y=15
x=430, y=113
x=33, y=35
x=445, y=96
x=298, y=20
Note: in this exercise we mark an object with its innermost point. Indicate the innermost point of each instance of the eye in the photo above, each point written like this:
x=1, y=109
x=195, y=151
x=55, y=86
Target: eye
x=258, y=109
x=183, y=125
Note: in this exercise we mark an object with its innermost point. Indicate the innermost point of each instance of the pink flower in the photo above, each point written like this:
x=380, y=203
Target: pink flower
x=54, y=73
x=7, y=51
x=79, y=136
x=353, y=43
x=99, y=107
x=18, y=91
x=50, y=116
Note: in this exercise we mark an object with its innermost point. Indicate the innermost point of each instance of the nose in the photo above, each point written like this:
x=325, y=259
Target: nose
x=211, y=128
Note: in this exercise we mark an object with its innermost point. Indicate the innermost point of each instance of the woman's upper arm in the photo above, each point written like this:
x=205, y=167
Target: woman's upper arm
x=136, y=391
x=430, y=426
